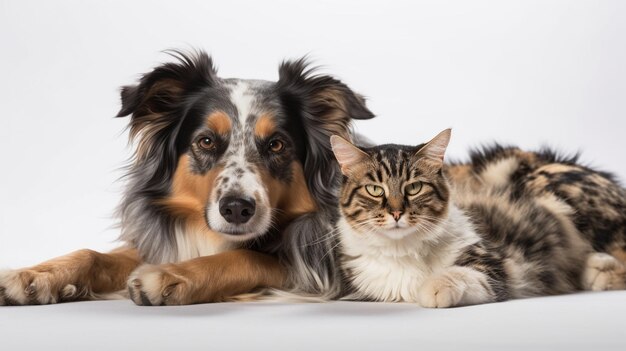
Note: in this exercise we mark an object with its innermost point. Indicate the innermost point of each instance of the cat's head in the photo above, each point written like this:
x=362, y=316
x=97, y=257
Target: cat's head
x=393, y=190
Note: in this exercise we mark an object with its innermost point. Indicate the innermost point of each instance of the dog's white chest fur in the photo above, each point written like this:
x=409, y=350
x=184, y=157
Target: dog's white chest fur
x=192, y=243
x=386, y=269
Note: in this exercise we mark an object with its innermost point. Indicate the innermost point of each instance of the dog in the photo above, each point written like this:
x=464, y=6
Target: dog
x=230, y=189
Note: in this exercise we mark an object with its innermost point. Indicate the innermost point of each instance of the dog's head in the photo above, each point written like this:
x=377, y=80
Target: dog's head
x=235, y=156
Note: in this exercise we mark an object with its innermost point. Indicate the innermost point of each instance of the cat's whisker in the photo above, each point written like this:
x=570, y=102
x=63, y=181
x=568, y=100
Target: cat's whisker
x=331, y=234
x=437, y=226
x=330, y=250
x=359, y=226
x=323, y=238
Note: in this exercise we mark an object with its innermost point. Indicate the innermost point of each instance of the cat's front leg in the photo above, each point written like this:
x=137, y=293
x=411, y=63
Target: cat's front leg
x=456, y=286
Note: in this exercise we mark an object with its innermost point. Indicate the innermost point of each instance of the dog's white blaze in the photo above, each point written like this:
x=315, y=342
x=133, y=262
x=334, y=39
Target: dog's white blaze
x=394, y=269
x=248, y=183
x=243, y=99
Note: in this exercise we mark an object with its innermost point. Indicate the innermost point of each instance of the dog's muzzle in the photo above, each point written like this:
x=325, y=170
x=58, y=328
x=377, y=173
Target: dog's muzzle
x=237, y=210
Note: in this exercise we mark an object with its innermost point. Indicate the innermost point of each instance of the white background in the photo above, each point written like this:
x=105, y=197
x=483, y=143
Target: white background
x=522, y=72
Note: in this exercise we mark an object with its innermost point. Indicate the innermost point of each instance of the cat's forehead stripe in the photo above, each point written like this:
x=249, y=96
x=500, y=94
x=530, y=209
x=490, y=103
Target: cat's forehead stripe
x=401, y=169
x=379, y=175
x=394, y=162
x=386, y=166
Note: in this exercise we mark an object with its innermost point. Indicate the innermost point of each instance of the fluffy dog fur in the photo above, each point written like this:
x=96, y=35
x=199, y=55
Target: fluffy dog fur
x=202, y=141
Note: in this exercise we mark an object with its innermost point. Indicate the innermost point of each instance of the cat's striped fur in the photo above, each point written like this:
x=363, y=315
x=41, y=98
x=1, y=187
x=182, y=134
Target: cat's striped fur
x=508, y=224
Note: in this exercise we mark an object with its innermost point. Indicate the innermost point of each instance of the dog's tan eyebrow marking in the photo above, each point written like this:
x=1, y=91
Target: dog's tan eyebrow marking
x=265, y=126
x=219, y=122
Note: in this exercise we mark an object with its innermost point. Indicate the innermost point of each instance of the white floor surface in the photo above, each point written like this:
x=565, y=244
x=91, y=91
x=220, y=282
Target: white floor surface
x=587, y=321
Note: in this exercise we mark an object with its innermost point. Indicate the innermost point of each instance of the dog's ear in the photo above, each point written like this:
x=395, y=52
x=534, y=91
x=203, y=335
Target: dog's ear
x=330, y=102
x=153, y=103
x=323, y=106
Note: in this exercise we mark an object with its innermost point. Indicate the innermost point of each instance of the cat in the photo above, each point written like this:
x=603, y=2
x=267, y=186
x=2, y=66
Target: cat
x=510, y=224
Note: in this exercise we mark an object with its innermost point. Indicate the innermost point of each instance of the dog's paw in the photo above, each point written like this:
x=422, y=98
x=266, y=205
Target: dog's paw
x=604, y=272
x=32, y=287
x=455, y=286
x=159, y=285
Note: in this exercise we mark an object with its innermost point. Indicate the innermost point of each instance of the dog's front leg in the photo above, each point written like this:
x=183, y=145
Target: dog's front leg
x=81, y=275
x=205, y=279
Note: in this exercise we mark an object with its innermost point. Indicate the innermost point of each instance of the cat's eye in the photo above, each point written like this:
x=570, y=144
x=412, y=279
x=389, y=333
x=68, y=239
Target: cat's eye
x=375, y=190
x=413, y=188
x=206, y=143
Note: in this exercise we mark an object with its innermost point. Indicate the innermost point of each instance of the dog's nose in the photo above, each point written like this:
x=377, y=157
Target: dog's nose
x=236, y=210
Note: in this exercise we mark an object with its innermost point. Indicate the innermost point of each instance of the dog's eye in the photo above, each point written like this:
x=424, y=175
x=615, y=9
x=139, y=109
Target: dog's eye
x=206, y=143
x=413, y=188
x=375, y=190
x=276, y=145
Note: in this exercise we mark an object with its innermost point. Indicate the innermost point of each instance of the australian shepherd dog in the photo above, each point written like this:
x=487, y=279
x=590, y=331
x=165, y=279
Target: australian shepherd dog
x=230, y=189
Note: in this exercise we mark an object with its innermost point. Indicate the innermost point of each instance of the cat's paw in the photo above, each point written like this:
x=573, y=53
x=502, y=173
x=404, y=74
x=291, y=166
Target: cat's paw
x=604, y=272
x=33, y=287
x=158, y=285
x=440, y=293
x=455, y=286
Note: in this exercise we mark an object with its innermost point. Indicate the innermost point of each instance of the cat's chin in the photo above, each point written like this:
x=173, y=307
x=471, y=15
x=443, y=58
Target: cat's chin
x=397, y=233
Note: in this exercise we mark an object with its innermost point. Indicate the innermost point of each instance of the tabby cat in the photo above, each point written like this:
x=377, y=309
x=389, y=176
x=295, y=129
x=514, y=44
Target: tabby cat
x=509, y=224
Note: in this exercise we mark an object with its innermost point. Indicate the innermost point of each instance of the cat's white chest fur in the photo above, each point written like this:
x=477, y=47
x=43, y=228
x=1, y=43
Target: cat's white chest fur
x=386, y=269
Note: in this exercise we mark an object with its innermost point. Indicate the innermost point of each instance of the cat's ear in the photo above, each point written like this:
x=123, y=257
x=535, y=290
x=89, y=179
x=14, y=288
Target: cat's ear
x=435, y=149
x=346, y=153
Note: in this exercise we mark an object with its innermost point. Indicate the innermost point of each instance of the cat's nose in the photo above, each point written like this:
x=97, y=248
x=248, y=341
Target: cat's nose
x=396, y=215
